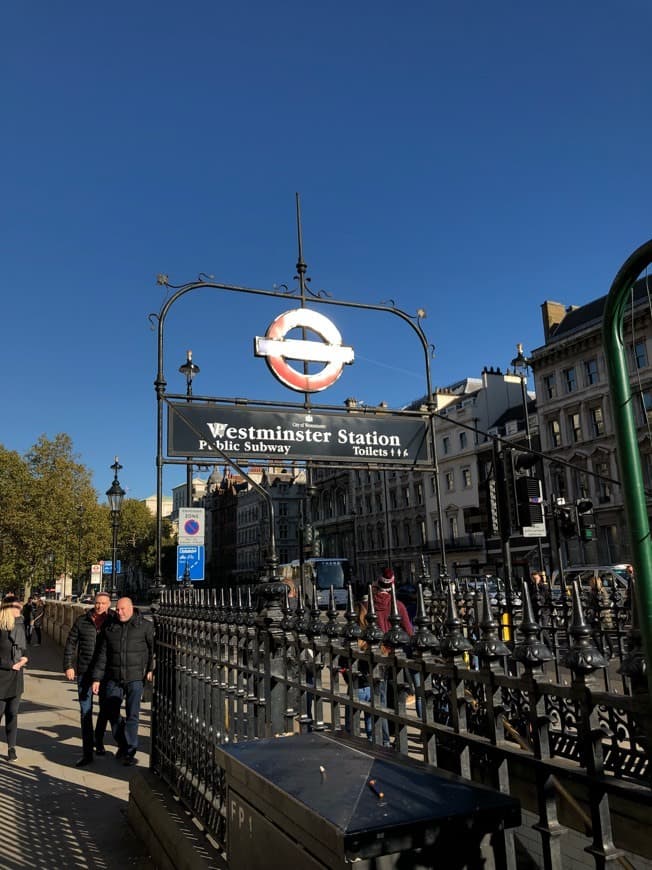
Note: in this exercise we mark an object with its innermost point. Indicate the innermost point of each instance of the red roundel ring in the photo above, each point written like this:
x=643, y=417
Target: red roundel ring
x=326, y=329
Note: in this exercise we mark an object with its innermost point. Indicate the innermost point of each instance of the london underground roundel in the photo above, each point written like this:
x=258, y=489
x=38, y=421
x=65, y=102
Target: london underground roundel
x=277, y=350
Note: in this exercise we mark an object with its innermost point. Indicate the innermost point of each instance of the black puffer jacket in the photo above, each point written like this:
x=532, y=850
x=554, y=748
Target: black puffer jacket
x=83, y=644
x=126, y=651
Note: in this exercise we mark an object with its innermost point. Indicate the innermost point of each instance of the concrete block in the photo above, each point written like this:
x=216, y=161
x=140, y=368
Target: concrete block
x=173, y=839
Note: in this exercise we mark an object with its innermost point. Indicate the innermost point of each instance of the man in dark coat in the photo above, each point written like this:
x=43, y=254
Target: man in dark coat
x=125, y=659
x=79, y=656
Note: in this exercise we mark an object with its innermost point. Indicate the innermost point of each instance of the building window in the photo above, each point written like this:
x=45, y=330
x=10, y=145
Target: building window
x=466, y=477
x=463, y=440
x=575, y=426
x=450, y=481
x=418, y=492
x=446, y=444
x=646, y=403
x=406, y=496
x=640, y=354
x=433, y=485
x=407, y=534
x=555, y=433
x=283, y=531
x=283, y=509
x=604, y=487
x=591, y=371
x=559, y=484
x=422, y=531
x=570, y=380
x=392, y=499
x=394, y=536
x=646, y=459
x=597, y=421
x=549, y=387
x=367, y=503
x=452, y=527
x=379, y=503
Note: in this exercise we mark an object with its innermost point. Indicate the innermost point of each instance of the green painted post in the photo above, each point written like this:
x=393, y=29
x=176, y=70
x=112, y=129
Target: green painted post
x=631, y=473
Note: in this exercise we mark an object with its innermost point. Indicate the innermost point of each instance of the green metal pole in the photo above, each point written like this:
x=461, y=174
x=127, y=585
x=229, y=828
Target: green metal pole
x=631, y=474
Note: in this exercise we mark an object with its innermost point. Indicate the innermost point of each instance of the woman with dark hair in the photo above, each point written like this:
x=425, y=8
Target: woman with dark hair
x=12, y=662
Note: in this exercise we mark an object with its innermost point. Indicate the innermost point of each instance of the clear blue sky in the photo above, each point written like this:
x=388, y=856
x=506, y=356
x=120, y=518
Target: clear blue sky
x=469, y=158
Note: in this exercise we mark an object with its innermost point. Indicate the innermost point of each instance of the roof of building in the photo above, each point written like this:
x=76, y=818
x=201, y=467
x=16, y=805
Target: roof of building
x=580, y=317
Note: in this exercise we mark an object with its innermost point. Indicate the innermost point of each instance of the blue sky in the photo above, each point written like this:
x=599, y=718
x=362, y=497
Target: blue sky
x=472, y=159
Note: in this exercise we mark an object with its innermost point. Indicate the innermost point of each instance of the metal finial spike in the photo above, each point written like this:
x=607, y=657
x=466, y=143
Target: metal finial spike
x=583, y=656
x=372, y=603
x=490, y=647
x=530, y=651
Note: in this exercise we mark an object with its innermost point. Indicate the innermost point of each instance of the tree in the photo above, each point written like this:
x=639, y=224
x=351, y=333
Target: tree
x=40, y=499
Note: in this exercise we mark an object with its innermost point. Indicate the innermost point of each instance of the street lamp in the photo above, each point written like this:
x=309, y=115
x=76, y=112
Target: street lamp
x=521, y=363
x=115, y=496
x=189, y=369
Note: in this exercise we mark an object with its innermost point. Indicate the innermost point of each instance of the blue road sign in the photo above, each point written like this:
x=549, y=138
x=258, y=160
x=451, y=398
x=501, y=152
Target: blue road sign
x=191, y=555
x=108, y=563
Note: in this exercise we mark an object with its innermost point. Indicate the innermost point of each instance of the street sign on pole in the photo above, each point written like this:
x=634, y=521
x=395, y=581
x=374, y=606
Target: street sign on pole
x=192, y=557
x=191, y=526
x=107, y=565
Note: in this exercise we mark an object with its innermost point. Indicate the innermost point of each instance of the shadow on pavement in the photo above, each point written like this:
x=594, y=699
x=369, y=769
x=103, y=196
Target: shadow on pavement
x=57, y=824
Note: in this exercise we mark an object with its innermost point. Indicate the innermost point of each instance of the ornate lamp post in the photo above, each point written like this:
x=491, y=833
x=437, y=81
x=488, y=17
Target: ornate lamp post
x=189, y=369
x=115, y=496
x=521, y=363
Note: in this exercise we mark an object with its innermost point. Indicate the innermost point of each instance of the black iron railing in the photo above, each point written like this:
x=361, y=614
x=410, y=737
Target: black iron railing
x=546, y=699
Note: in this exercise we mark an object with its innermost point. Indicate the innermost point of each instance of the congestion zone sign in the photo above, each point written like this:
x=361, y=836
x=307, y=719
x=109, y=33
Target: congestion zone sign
x=277, y=349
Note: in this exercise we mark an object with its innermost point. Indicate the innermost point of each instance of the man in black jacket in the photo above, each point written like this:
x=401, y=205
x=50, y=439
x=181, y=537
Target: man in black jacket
x=125, y=659
x=79, y=655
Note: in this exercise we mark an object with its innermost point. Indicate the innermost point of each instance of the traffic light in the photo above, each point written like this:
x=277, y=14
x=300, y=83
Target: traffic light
x=566, y=519
x=585, y=519
x=523, y=490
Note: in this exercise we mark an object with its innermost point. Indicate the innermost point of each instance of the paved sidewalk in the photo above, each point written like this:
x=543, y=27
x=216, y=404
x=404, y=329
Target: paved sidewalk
x=53, y=814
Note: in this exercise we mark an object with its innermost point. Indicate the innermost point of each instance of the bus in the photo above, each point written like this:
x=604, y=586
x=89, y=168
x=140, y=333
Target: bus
x=320, y=574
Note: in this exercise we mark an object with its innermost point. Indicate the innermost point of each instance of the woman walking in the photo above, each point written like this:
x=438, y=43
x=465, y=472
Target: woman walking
x=12, y=662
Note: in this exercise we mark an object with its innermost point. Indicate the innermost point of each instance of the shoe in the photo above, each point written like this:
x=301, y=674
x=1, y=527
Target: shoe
x=130, y=761
x=11, y=755
x=84, y=761
x=121, y=752
x=100, y=750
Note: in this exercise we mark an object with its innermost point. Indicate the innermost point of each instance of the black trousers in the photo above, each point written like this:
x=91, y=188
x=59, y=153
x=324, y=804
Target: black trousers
x=9, y=709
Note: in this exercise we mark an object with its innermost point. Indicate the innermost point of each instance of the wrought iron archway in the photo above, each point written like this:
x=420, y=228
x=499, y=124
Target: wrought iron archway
x=304, y=296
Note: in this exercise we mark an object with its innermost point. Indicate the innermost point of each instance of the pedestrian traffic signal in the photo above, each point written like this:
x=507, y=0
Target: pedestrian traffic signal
x=566, y=519
x=585, y=519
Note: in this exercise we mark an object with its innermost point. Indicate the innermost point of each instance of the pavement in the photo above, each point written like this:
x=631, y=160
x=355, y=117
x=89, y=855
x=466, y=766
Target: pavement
x=53, y=814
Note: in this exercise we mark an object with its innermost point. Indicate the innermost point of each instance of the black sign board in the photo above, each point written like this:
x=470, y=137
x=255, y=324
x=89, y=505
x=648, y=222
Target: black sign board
x=198, y=430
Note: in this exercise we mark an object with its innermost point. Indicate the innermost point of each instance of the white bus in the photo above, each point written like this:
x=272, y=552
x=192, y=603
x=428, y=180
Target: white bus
x=320, y=574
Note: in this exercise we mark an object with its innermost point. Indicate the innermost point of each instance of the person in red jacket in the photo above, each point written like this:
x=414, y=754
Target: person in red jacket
x=382, y=592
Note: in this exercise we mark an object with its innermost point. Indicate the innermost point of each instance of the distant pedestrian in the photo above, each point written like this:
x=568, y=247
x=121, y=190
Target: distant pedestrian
x=12, y=661
x=38, y=613
x=125, y=659
x=79, y=658
x=28, y=613
x=382, y=598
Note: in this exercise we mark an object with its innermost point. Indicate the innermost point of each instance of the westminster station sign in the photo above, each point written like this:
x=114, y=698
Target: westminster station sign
x=198, y=430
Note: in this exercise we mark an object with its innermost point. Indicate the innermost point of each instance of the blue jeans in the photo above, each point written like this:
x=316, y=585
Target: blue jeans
x=85, y=695
x=124, y=730
x=364, y=694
